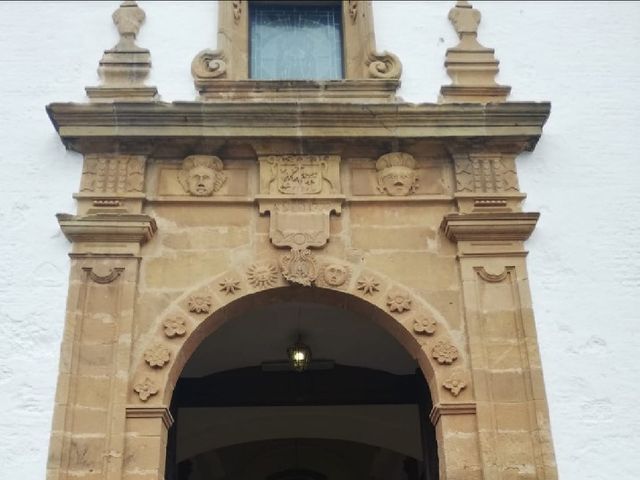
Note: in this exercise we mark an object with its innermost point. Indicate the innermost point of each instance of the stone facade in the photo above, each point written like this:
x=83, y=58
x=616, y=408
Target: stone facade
x=190, y=213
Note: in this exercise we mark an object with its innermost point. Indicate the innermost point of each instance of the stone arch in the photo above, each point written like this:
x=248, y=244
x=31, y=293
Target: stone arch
x=160, y=355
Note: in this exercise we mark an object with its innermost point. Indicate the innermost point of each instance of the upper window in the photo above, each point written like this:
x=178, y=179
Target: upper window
x=294, y=41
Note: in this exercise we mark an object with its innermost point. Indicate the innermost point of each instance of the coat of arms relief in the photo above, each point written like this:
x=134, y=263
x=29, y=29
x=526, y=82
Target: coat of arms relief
x=300, y=192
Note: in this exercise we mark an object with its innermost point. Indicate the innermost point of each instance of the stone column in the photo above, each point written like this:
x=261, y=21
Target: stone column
x=512, y=413
x=89, y=414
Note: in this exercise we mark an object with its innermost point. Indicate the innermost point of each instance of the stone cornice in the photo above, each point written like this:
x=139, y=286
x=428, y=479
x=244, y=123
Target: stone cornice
x=489, y=226
x=108, y=227
x=148, y=121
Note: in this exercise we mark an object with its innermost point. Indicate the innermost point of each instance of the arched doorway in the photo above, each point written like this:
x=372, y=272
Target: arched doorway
x=358, y=412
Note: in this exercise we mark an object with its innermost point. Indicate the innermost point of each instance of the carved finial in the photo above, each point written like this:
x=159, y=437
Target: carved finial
x=124, y=67
x=471, y=66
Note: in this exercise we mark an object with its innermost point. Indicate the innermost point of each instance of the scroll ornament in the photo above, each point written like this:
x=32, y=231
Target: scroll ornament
x=384, y=65
x=209, y=64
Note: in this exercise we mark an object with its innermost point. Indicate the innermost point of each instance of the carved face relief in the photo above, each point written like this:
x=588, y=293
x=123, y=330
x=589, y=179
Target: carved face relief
x=397, y=181
x=335, y=275
x=202, y=175
x=396, y=174
x=201, y=181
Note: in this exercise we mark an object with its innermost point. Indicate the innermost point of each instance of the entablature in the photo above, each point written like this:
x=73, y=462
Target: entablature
x=86, y=126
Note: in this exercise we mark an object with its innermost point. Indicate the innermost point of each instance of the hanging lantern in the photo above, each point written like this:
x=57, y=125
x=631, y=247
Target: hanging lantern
x=299, y=356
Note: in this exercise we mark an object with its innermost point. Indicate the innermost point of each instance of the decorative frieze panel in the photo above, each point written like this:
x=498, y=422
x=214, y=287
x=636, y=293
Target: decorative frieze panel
x=299, y=175
x=112, y=175
x=485, y=172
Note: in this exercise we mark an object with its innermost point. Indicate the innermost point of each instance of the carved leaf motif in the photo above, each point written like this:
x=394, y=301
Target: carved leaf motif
x=398, y=302
x=209, y=64
x=157, y=356
x=174, y=327
x=237, y=11
x=200, y=304
x=353, y=10
x=368, y=284
x=145, y=389
x=444, y=353
x=384, y=65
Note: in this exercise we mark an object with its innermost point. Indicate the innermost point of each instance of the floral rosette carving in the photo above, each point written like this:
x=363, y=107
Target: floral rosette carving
x=261, y=276
x=368, y=284
x=174, y=327
x=455, y=383
x=229, y=285
x=424, y=326
x=444, y=353
x=200, y=304
x=157, y=356
x=398, y=302
x=145, y=389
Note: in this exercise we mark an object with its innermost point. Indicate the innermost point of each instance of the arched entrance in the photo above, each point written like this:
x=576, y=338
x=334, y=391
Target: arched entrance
x=357, y=412
x=174, y=350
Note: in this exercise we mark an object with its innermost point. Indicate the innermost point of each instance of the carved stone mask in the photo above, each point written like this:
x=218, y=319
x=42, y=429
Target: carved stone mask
x=202, y=175
x=397, y=181
x=335, y=275
x=201, y=180
x=397, y=174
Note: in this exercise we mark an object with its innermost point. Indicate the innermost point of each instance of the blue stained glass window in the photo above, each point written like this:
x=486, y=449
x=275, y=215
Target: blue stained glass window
x=296, y=41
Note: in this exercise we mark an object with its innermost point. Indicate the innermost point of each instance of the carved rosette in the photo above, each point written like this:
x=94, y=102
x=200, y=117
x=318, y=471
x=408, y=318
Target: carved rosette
x=200, y=304
x=261, y=276
x=174, y=327
x=368, y=285
x=209, y=64
x=425, y=326
x=157, y=356
x=300, y=266
x=229, y=285
x=444, y=353
x=398, y=302
x=455, y=383
x=145, y=389
x=383, y=65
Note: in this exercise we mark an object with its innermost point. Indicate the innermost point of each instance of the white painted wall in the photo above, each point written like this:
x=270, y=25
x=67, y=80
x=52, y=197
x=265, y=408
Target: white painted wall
x=583, y=177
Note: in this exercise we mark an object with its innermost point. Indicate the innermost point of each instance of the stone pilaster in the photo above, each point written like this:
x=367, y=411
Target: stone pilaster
x=512, y=413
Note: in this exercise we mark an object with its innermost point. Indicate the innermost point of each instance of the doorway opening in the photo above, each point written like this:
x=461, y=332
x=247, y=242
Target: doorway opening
x=357, y=411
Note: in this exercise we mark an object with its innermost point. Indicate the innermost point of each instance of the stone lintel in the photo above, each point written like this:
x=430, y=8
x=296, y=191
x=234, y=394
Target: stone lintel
x=441, y=409
x=151, y=412
x=361, y=90
x=496, y=226
x=80, y=125
x=108, y=227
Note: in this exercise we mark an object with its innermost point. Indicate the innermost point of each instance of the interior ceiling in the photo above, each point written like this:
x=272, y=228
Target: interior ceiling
x=331, y=333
